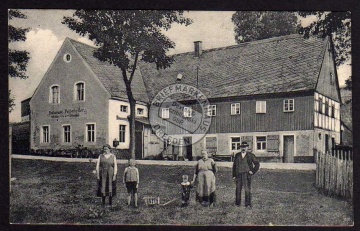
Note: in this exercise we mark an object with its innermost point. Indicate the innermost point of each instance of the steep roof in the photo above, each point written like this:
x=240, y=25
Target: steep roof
x=282, y=64
x=110, y=76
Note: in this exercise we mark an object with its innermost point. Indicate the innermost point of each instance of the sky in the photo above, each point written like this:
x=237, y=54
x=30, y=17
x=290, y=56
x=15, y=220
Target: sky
x=47, y=33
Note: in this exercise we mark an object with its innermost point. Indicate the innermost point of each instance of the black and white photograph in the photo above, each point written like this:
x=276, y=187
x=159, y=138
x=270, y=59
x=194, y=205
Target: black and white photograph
x=180, y=117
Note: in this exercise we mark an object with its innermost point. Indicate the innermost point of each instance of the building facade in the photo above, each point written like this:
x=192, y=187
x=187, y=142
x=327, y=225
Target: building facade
x=80, y=101
x=280, y=95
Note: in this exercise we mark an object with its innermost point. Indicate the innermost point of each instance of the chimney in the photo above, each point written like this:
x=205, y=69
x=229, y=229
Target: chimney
x=198, y=48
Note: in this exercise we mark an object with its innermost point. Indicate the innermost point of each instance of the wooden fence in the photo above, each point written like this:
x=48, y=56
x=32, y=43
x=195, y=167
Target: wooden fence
x=334, y=172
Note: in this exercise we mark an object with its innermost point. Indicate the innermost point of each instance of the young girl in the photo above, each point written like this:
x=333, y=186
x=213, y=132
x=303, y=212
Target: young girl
x=185, y=194
x=131, y=181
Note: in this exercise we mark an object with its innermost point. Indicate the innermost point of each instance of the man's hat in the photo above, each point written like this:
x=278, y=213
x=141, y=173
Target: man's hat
x=244, y=144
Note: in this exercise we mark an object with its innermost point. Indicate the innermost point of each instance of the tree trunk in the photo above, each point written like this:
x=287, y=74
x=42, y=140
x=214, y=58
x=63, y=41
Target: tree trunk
x=132, y=102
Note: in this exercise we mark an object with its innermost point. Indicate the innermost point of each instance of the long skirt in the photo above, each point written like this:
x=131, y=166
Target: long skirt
x=99, y=185
x=205, y=190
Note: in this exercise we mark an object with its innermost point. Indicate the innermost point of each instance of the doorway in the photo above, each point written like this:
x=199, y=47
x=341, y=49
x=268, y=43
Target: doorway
x=289, y=149
x=188, y=148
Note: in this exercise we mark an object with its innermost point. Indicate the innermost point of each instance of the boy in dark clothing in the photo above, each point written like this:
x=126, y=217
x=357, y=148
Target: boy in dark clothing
x=185, y=193
x=245, y=165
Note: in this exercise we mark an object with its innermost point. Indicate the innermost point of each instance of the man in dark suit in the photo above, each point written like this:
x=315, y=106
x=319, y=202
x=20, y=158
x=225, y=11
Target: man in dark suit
x=245, y=165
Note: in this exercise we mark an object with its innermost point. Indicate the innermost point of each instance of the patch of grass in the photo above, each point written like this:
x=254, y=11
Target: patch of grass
x=62, y=192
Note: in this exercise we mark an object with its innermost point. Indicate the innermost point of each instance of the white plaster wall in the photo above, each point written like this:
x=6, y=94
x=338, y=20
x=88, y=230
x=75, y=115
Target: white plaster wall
x=303, y=141
x=117, y=118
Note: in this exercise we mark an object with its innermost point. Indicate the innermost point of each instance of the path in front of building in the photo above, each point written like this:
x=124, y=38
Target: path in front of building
x=289, y=166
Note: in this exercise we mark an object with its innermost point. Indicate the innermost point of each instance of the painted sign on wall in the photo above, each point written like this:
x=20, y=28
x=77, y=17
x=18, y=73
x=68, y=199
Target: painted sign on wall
x=76, y=112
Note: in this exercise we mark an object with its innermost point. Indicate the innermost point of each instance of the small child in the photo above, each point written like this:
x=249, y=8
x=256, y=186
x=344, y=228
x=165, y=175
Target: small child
x=131, y=181
x=185, y=194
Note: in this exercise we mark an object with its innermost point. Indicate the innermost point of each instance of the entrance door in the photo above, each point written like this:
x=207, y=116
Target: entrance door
x=289, y=149
x=188, y=148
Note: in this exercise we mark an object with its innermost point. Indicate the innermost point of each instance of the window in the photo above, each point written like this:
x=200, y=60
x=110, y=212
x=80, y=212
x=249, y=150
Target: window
x=326, y=108
x=187, y=112
x=235, y=108
x=66, y=134
x=288, y=105
x=235, y=143
x=80, y=91
x=90, y=132
x=140, y=111
x=333, y=111
x=123, y=108
x=67, y=58
x=55, y=94
x=261, y=142
x=122, y=133
x=320, y=105
x=260, y=106
x=45, y=134
x=165, y=113
x=211, y=110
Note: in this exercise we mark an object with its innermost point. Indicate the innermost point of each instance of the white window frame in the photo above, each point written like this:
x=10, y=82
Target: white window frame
x=211, y=110
x=261, y=142
x=65, y=58
x=139, y=109
x=124, y=131
x=235, y=109
x=87, y=133
x=63, y=133
x=287, y=105
x=122, y=108
x=42, y=137
x=165, y=113
x=231, y=142
x=51, y=94
x=76, y=95
x=261, y=107
x=187, y=112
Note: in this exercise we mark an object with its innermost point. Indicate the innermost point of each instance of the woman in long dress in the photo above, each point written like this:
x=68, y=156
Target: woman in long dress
x=205, y=180
x=106, y=170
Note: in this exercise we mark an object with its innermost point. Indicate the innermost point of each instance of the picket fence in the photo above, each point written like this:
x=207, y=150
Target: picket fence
x=334, y=172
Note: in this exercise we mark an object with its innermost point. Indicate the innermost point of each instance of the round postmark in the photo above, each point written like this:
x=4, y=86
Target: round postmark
x=179, y=115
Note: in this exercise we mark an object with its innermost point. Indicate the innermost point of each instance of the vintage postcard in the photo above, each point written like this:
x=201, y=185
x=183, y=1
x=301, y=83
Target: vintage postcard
x=154, y=117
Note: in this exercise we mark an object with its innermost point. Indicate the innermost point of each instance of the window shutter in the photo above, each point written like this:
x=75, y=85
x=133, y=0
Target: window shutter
x=273, y=143
x=211, y=145
x=249, y=140
x=263, y=107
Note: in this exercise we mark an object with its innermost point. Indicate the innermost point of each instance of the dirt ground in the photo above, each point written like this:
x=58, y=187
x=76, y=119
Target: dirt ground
x=64, y=193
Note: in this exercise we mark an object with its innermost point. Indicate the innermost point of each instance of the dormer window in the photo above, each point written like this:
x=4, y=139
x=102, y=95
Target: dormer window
x=54, y=95
x=80, y=91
